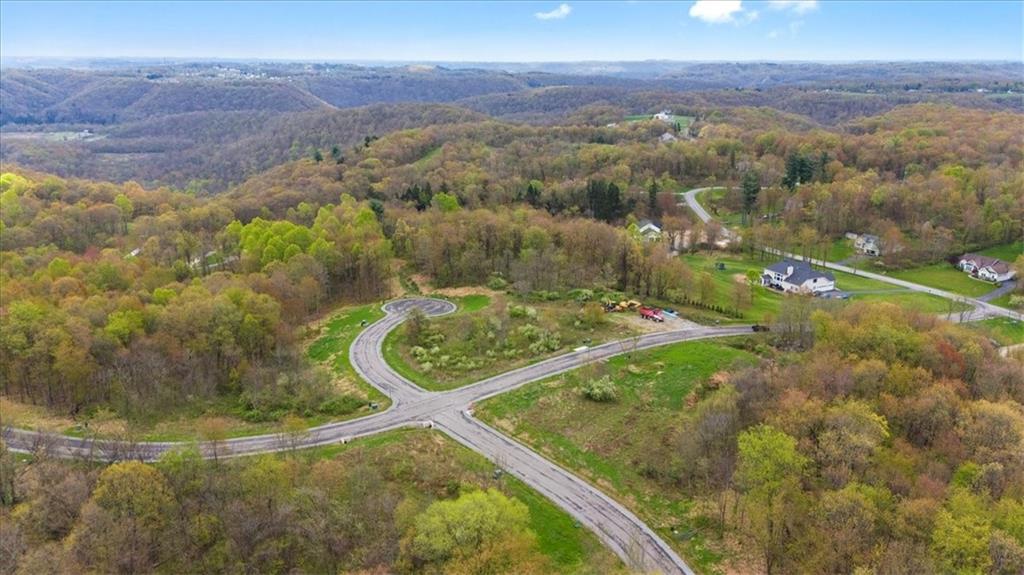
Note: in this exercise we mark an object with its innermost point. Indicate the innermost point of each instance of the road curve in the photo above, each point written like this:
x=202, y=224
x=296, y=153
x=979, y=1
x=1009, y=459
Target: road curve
x=618, y=528
x=981, y=310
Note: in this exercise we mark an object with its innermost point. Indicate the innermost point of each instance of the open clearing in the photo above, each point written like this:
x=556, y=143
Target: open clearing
x=486, y=338
x=623, y=445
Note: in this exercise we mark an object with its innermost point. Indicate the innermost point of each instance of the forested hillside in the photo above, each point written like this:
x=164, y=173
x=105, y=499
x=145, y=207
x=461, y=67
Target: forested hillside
x=210, y=126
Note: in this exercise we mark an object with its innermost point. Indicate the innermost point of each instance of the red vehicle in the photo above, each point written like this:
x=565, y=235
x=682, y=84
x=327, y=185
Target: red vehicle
x=651, y=313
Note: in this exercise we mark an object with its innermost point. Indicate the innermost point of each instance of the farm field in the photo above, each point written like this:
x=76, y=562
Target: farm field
x=625, y=446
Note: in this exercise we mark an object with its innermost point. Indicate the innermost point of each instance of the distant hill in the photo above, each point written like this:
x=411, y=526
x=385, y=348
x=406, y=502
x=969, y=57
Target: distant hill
x=215, y=123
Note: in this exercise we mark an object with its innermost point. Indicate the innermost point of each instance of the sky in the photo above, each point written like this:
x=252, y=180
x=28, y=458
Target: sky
x=730, y=30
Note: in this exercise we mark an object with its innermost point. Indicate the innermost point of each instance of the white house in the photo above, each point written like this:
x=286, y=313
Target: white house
x=868, y=244
x=797, y=276
x=664, y=116
x=986, y=268
x=668, y=137
x=649, y=230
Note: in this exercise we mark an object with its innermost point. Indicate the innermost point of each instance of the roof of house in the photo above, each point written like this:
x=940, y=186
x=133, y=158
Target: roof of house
x=997, y=265
x=802, y=271
x=645, y=222
x=668, y=137
x=869, y=238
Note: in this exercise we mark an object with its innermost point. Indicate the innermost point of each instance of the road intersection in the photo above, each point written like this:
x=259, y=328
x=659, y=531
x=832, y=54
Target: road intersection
x=450, y=412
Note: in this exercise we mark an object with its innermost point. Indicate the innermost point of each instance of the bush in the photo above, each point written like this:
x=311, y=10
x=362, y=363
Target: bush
x=496, y=282
x=522, y=311
x=341, y=405
x=601, y=390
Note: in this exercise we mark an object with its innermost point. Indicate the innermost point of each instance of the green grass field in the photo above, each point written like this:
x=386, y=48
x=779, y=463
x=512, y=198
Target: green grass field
x=428, y=465
x=946, y=277
x=1004, y=330
x=615, y=445
x=943, y=275
x=921, y=302
x=840, y=249
x=765, y=301
x=1005, y=252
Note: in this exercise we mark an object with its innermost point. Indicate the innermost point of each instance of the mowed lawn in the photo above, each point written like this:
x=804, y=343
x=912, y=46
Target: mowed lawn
x=922, y=302
x=617, y=445
x=766, y=302
x=944, y=276
x=427, y=465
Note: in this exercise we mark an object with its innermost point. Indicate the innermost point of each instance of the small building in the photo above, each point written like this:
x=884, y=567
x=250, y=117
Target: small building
x=986, y=268
x=793, y=276
x=649, y=230
x=664, y=116
x=868, y=244
x=668, y=138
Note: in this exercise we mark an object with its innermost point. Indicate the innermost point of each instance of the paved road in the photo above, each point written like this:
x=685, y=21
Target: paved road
x=981, y=309
x=1005, y=288
x=450, y=411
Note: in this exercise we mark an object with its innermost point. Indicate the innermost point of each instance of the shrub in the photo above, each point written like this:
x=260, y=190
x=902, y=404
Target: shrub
x=601, y=389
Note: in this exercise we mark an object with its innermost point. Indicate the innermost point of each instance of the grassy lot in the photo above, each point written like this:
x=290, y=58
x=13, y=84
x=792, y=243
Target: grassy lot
x=1003, y=301
x=427, y=466
x=1004, y=330
x=942, y=275
x=921, y=302
x=1005, y=252
x=713, y=201
x=622, y=446
x=946, y=277
x=491, y=338
x=840, y=249
x=765, y=301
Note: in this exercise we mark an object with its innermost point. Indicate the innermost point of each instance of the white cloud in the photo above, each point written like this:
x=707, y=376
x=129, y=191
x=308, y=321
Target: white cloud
x=794, y=29
x=716, y=11
x=562, y=11
x=798, y=6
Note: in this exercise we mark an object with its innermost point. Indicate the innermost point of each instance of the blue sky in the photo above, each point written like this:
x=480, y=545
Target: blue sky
x=517, y=31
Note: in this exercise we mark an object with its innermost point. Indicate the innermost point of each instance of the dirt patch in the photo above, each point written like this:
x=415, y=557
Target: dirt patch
x=633, y=320
x=739, y=278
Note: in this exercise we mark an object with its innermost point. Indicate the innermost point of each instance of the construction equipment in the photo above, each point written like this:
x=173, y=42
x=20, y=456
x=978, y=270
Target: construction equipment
x=651, y=313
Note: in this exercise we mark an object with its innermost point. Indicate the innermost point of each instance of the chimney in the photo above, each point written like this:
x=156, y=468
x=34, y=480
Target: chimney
x=789, y=271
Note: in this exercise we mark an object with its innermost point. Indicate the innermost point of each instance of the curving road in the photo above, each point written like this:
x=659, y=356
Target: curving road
x=451, y=412
x=981, y=309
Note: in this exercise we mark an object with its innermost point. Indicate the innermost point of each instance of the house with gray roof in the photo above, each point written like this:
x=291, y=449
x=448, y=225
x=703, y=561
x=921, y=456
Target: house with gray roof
x=986, y=268
x=797, y=277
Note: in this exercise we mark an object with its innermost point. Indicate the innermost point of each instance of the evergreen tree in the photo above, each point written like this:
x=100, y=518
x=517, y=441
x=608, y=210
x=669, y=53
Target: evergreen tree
x=652, y=198
x=751, y=188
